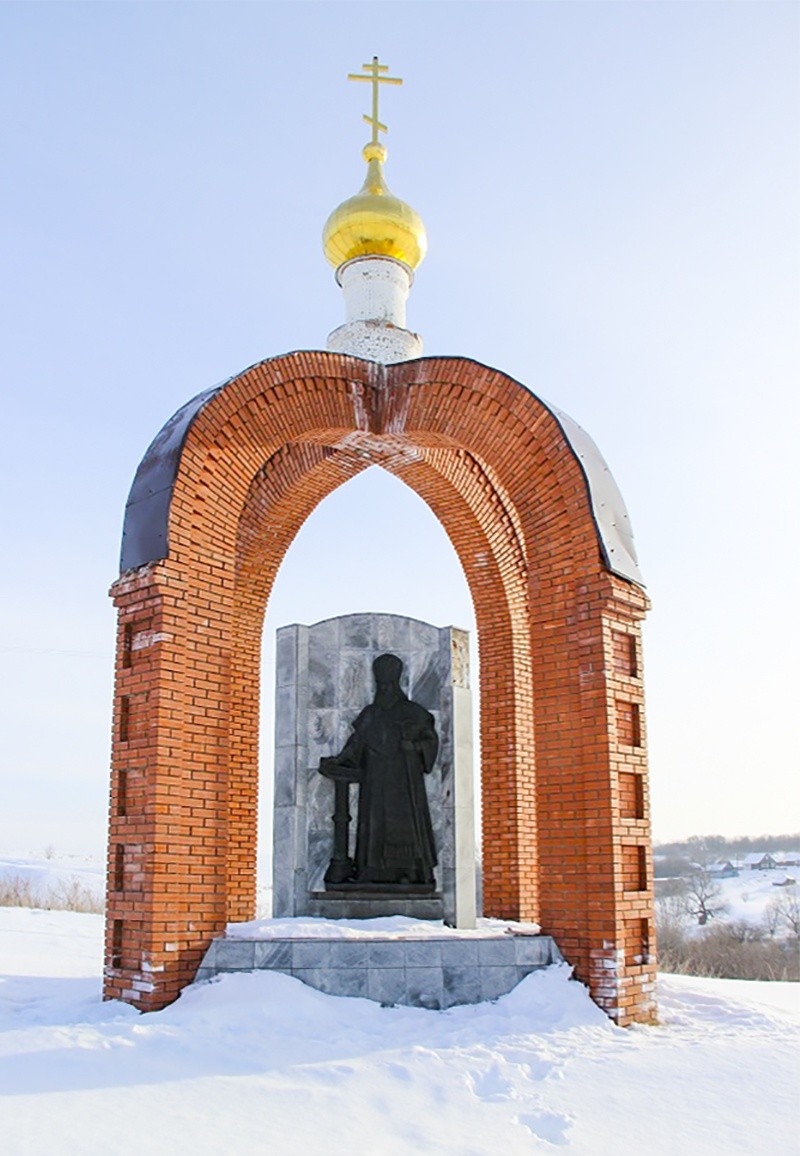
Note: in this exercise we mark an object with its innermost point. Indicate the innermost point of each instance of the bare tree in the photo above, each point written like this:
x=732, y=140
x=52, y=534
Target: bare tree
x=743, y=931
x=784, y=911
x=703, y=897
x=671, y=912
x=772, y=918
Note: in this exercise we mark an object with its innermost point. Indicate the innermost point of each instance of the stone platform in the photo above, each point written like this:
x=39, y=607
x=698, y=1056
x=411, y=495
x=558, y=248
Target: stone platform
x=431, y=972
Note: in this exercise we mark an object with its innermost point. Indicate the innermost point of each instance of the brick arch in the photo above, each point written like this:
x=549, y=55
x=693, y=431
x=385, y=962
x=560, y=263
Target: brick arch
x=564, y=789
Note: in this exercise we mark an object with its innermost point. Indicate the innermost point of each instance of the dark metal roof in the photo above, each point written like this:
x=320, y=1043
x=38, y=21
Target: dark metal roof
x=145, y=529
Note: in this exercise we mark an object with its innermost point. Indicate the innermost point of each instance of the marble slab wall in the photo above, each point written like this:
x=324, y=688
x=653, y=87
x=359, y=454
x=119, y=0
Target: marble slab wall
x=429, y=973
x=323, y=681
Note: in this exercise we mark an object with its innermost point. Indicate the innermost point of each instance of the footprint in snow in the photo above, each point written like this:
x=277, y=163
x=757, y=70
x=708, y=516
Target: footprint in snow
x=398, y=1071
x=548, y=1126
x=496, y=1083
x=333, y=1073
x=492, y=1084
x=537, y=1069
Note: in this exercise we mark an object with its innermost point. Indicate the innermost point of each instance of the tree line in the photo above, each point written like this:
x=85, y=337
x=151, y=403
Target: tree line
x=724, y=847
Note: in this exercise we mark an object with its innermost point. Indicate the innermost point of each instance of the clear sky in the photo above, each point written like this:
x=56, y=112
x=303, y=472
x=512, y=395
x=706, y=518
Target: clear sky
x=611, y=195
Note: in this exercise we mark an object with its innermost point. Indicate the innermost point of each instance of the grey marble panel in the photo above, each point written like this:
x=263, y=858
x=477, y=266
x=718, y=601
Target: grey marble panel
x=329, y=908
x=386, y=985
x=356, y=684
x=285, y=780
x=302, y=777
x=286, y=655
x=282, y=894
x=535, y=951
x=424, y=987
x=426, y=681
x=349, y=953
x=319, y=800
x=349, y=982
x=390, y=953
x=311, y=953
x=393, y=633
x=497, y=952
x=358, y=632
x=284, y=858
x=447, y=876
x=299, y=892
x=273, y=954
x=322, y=680
x=319, y=847
x=460, y=952
x=319, y=860
x=286, y=715
x=424, y=636
x=343, y=909
x=204, y=973
x=317, y=977
x=210, y=957
x=323, y=734
x=325, y=635
x=235, y=954
x=423, y=953
x=497, y=981
x=461, y=985
x=344, y=727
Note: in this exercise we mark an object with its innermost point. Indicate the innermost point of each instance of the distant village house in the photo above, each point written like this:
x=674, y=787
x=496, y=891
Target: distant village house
x=759, y=861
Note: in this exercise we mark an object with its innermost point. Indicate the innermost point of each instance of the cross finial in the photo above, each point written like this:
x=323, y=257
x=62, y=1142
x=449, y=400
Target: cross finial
x=374, y=74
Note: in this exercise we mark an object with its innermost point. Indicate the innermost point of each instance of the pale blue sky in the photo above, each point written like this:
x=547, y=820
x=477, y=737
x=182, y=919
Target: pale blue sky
x=611, y=193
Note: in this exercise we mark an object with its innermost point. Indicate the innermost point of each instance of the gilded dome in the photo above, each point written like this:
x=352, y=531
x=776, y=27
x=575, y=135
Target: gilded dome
x=374, y=223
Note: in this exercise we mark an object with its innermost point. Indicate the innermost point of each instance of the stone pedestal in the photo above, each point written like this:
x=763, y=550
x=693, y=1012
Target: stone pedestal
x=324, y=680
x=434, y=972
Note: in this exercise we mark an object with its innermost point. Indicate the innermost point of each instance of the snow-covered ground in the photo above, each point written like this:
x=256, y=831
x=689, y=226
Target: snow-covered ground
x=387, y=926
x=51, y=871
x=261, y=1063
x=744, y=897
x=747, y=894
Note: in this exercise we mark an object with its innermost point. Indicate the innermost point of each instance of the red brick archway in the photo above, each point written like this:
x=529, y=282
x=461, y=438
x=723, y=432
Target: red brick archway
x=565, y=800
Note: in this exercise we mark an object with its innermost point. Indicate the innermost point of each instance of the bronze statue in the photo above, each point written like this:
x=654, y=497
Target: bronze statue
x=393, y=746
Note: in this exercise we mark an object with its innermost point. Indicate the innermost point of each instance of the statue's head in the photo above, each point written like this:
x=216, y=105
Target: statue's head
x=387, y=669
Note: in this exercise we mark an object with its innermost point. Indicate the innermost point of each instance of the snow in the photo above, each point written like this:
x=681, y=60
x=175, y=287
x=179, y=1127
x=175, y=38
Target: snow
x=748, y=893
x=259, y=1062
x=386, y=926
x=49, y=870
x=746, y=896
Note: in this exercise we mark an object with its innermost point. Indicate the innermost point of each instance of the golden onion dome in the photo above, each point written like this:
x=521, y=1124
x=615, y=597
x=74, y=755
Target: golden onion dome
x=374, y=223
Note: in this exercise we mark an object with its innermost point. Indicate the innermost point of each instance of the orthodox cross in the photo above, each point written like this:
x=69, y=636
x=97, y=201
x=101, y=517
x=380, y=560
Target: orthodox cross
x=375, y=77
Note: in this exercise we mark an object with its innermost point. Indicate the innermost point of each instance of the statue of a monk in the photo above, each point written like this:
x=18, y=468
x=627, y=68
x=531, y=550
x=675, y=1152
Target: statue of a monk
x=392, y=747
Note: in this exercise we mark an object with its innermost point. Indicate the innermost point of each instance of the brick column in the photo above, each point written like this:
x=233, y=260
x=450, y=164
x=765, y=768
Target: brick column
x=168, y=817
x=595, y=865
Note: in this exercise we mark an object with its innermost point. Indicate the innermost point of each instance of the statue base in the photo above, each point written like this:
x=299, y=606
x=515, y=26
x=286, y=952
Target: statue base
x=356, y=889
x=436, y=971
x=356, y=902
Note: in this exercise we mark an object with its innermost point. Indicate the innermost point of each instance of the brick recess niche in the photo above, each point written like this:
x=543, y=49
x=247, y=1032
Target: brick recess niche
x=218, y=499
